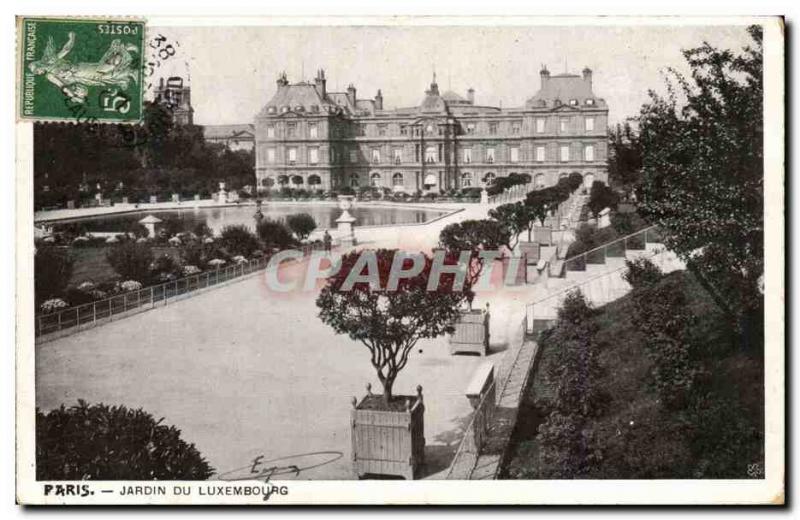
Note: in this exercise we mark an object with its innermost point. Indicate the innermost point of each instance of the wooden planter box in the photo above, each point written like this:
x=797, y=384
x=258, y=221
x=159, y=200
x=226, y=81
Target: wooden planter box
x=531, y=251
x=543, y=235
x=471, y=333
x=388, y=442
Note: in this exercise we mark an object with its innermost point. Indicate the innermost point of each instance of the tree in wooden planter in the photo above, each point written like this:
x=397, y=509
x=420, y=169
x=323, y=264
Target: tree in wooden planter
x=381, y=299
x=471, y=331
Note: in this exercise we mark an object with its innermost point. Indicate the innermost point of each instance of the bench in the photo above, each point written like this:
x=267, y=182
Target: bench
x=481, y=382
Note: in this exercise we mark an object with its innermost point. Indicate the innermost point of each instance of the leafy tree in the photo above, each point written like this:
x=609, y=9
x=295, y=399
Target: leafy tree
x=538, y=203
x=515, y=218
x=624, y=157
x=388, y=321
x=131, y=260
x=301, y=224
x=601, y=197
x=52, y=271
x=101, y=442
x=473, y=236
x=238, y=240
x=703, y=176
x=641, y=273
x=275, y=234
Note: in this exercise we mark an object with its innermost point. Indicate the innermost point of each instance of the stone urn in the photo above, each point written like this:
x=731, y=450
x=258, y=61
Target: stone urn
x=345, y=223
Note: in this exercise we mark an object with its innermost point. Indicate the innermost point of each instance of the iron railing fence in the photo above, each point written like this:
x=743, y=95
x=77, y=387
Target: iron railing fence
x=543, y=312
x=479, y=427
x=101, y=311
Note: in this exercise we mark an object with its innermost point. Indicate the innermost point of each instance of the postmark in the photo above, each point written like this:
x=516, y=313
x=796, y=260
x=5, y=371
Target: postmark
x=80, y=70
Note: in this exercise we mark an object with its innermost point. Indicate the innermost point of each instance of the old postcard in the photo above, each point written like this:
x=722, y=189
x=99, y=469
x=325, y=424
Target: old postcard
x=400, y=260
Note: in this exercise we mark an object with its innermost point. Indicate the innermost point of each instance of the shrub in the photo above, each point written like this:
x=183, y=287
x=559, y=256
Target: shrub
x=131, y=260
x=238, y=240
x=201, y=230
x=52, y=270
x=52, y=305
x=641, y=273
x=101, y=442
x=164, y=265
x=275, y=234
x=138, y=230
x=601, y=197
x=129, y=286
x=302, y=224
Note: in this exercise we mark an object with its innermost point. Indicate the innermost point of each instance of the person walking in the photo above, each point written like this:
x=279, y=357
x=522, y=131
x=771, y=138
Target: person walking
x=326, y=239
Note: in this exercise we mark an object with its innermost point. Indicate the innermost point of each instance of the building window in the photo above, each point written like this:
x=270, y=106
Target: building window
x=490, y=155
x=313, y=155
x=375, y=180
x=540, y=153
x=382, y=130
x=271, y=155
x=466, y=180
x=271, y=131
x=538, y=181
x=416, y=153
x=564, y=153
x=493, y=128
x=488, y=179
x=540, y=125
x=397, y=179
x=589, y=124
x=353, y=156
x=516, y=127
x=514, y=154
x=398, y=155
x=467, y=155
x=403, y=129
x=292, y=155
x=590, y=102
x=312, y=130
x=376, y=155
x=573, y=102
x=354, y=182
x=430, y=154
x=333, y=155
x=470, y=128
x=588, y=152
x=563, y=125
x=291, y=129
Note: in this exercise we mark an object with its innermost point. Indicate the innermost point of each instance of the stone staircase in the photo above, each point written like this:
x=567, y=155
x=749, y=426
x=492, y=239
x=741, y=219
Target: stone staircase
x=598, y=273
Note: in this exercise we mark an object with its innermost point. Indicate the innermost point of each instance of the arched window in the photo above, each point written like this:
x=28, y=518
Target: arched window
x=397, y=179
x=268, y=182
x=283, y=180
x=297, y=180
x=563, y=175
x=430, y=154
x=539, y=181
x=375, y=180
x=354, y=182
x=314, y=180
x=466, y=179
x=489, y=178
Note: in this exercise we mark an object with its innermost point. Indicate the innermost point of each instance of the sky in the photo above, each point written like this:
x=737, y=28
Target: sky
x=232, y=70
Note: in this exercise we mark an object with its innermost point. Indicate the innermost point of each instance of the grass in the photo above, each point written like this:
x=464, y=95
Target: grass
x=718, y=436
x=90, y=264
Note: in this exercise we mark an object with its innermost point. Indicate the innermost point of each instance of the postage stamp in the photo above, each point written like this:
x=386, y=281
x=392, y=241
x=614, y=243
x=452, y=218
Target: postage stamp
x=80, y=70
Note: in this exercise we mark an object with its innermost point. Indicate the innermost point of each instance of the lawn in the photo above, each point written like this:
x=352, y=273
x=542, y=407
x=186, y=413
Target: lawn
x=719, y=434
x=90, y=263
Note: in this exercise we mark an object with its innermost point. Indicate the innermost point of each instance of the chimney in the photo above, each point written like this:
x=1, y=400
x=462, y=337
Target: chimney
x=379, y=100
x=587, y=76
x=471, y=96
x=544, y=74
x=282, y=81
x=351, y=94
x=320, y=81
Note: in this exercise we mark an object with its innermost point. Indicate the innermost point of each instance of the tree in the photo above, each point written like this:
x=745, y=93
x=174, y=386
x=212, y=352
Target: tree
x=538, y=203
x=601, y=197
x=473, y=236
x=238, y=240
x=301, y=224
x=703, y=170
x=275, y=234
x=101, y=442
x=52, y=271
x=388, y=321
x=515, y=217
x=624, y=157
x=131, y=260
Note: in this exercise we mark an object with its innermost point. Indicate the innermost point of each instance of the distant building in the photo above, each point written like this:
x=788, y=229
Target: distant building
x=306, y=136
x=178, y=95
x=234, y=137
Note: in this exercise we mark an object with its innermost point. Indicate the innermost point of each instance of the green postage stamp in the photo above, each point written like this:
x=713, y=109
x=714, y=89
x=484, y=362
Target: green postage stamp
x=80, y=70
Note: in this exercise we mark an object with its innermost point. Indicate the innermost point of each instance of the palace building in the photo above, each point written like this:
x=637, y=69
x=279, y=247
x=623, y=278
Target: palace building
x=308, y=137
